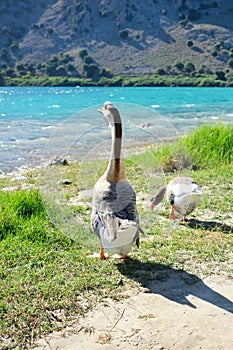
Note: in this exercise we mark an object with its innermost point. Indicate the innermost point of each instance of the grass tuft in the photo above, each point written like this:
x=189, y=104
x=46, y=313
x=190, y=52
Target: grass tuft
x=210, y=145
x=206, y=146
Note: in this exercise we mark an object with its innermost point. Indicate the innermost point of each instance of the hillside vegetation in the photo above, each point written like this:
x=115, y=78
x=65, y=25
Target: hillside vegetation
x=100, y=39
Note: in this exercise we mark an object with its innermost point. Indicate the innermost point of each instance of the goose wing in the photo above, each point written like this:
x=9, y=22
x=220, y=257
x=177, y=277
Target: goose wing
x=184, y=193
x=181, y=186
x=114, y=207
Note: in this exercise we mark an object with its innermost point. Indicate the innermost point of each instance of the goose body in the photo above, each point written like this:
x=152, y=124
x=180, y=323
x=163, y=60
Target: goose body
x=183, y=194
x=114, y=217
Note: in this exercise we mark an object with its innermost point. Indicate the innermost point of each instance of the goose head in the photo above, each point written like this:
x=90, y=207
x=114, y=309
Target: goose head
x=171, y=198
x=110, y=114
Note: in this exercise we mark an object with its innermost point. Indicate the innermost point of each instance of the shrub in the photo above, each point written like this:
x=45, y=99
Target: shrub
x=193, y=15
x=189, y=67
x=54, y=59
x=230, y=62
x=82, y=53
x=4, y=66
x=220, y=75
x=70, y=67
x=189, y=43
x=104, y=12
x=161, y=71
x=3, y=53
x=183, y=22
x=217, y=46
x=214, y=52
x=21, y=69
x=88, y=59
x=49, y=31
x=106, y=73
x=39, y=66
x=14, y=46
x=51, y=69
x=124, y=34
x=10, y=72
x=34, y=26
x=64, y=58
x=91, y=70
x=1, y=80
x=201, y=70
x=61, y=71
x=182, y=16
x=179, y=65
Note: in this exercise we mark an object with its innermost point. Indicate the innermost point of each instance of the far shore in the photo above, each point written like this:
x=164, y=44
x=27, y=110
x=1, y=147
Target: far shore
x=183, y=80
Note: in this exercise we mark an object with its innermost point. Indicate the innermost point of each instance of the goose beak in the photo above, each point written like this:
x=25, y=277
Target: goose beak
x=101, y=111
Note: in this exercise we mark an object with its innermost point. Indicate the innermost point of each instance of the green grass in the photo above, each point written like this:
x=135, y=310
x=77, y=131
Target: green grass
x=47, y=278
x=207, y=80
x=205, y=147
x=211, y=145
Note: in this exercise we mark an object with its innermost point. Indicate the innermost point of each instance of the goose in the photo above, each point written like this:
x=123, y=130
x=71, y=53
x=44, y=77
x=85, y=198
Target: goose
x=114, y=217
x=182, y=193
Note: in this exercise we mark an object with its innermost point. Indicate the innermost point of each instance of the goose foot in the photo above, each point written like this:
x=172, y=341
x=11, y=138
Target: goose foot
x=104, y=257
x=172, y=214
x=102, y=254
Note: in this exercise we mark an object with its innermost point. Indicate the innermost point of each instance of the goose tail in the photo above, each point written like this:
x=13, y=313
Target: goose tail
x=158, y=197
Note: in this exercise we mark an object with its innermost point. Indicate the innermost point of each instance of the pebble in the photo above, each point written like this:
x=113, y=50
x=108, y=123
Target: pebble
x=65, y=182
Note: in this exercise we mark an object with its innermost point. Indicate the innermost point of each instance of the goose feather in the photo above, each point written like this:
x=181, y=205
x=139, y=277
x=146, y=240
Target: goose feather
x=183, y=194
x=114, y=217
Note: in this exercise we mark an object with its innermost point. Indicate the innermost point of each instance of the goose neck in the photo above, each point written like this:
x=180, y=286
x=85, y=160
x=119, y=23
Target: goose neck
x=116, y=164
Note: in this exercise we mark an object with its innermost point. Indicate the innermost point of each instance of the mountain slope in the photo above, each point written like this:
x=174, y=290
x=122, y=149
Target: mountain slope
x=124, y=36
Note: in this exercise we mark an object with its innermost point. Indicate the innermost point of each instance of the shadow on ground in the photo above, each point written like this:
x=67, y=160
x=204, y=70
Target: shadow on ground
x=173, y=284
x=209, y=225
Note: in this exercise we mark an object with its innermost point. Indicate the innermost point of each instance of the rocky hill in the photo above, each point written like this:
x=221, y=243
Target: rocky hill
x=124, y=36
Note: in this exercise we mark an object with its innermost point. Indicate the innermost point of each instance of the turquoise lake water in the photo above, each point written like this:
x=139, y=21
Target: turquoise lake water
x=39, y=123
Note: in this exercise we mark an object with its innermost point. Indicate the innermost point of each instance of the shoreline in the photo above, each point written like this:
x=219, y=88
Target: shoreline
x=129, y=149
x=200, y=80
x=42, y=130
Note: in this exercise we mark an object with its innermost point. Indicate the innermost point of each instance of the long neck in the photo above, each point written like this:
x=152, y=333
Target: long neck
x=116, y=169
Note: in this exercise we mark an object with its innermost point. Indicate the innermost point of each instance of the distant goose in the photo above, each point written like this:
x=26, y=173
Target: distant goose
x=182, y=193
x=114, y=217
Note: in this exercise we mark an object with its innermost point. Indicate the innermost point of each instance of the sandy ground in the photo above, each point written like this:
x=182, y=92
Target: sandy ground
x=183, y=312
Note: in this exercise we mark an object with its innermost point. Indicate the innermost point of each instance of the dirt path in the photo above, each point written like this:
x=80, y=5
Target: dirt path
x=181, y=313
